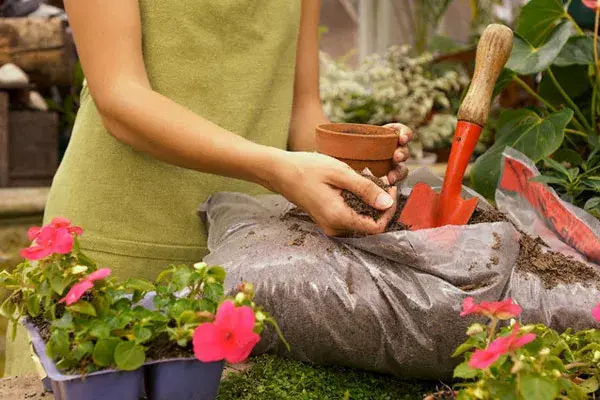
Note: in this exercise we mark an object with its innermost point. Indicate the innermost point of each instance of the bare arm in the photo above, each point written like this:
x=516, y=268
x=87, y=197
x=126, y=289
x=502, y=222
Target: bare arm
x=307, y=111
x=108, y=38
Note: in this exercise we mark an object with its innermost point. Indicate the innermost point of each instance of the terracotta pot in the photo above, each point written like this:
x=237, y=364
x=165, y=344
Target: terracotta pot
x=360, y=146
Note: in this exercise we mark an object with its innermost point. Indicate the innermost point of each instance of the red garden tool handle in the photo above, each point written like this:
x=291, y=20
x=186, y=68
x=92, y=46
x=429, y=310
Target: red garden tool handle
x=493, y=51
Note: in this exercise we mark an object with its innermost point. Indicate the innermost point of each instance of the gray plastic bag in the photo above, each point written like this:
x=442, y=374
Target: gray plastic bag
x=388, y=303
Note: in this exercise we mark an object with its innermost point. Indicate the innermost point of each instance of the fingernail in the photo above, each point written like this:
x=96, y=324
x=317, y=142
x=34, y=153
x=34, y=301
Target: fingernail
x=384, y=201
x=404, y=137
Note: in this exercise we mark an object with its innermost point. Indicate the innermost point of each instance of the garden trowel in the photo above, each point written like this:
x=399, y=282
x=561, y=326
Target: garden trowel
x=426, y=208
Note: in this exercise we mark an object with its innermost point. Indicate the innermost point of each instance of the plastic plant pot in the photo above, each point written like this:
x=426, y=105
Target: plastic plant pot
x=182, y=379
x=360, y=146
x=101, y=385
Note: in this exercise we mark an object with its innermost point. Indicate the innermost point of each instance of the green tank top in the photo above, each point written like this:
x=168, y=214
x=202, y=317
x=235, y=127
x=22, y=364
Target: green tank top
x=230, y=61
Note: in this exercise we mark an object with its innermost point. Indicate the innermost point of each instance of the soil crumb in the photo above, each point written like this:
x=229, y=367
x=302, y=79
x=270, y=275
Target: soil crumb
x=361, y=208
x=487, y=215
x=553, y=268
x=497, y=242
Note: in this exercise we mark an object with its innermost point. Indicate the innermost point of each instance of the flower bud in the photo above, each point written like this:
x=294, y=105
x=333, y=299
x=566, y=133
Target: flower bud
x=260, y=316
x=198, y=266
x=240, y=298
x=596, y=356
x=211, y=279
x=246, y=288
x=556, y=373
x=545, y=351
x=527, y=328
x=78, y=269
x=475, y=329
x=205, y=315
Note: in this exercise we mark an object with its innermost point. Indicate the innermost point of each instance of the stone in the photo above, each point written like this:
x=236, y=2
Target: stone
x=37, y=102
x=11, y=74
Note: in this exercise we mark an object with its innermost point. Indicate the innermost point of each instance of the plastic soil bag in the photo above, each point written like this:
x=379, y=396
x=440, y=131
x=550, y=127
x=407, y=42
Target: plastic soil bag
x=388, y=302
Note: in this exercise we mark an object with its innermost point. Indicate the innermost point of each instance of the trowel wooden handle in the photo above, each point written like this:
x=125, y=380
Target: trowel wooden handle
x=493, y=51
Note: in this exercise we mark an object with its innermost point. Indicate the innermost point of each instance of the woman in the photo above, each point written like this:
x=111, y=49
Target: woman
x=185, y=98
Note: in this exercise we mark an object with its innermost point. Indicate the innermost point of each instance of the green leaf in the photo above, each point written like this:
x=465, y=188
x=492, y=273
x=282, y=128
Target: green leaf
x=188, y=317
x=558, y=167
x=181, y=276
x=83, y=307
x=592, y=203
x=538, y=387
x=141, y=334
x=82, y=350
x=568, y=155
x=537, y=18
x=129, y=356
x=466, y=346
x=525, y=131
x=579, y=50
x=8, y=308
x=573, y=391
x=101, y=303
x=104, y=351
x=59, y=283
x=550, y=179
x=526, y=59
x=206, y=305
x=65, y=322
x=100, y=330
x=218, y=273
x=463, y=371
x=592, y=183
x=33, y=305
x=573, y=173
x=214, y=292
x=179, y=307
x=590, y=385
x=59, y=341
x=139, y=284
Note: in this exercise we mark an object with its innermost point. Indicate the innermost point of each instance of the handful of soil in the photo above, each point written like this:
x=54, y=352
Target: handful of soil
x=362, y=208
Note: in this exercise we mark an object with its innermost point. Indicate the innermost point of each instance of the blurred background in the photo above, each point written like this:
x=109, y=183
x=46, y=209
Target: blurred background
x=382, y=61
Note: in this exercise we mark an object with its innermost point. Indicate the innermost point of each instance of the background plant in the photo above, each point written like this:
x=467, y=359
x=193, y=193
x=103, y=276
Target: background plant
x=551, y=46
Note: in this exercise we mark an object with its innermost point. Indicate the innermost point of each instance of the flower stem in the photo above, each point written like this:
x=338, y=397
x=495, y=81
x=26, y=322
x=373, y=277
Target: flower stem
x=575, y=24
x=569, y=101
x=576, y=132
x=532, y=92
x=575, y=365
x=493, y=325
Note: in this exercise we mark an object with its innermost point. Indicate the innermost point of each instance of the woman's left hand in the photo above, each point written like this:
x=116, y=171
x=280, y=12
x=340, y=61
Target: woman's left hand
x=401, y=154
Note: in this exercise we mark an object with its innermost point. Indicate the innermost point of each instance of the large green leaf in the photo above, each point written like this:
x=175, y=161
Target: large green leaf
x=526, y=59
x=129, y=356
x=463, y=371
x=525, y=131
x=538, y=387
x=104, y=351
x=505, y=78
x=573, y=79
x=579, y=50
x=537, y=19
x=83, y=307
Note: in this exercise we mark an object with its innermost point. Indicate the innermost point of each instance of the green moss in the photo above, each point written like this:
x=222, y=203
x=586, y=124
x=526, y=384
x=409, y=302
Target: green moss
x=274, y=378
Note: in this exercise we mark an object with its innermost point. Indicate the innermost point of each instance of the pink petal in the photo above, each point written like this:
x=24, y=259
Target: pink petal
x=469, y=307
x=102, y=273
x=242, y=348
x=500, y=345
x=523, y=340
x=76, y=292
x=60, y=222
x=209, y=343
x=76, y=230
x=245, y=321
x=33, y=232
x=596, y=312
x=482, y=359
x=226, y=318
x=63, y=241
x=593, y=4
x=36, y=252
x=46, y=236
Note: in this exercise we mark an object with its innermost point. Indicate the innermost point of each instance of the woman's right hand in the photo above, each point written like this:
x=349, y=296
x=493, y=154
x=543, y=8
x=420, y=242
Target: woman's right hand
x=314, y=183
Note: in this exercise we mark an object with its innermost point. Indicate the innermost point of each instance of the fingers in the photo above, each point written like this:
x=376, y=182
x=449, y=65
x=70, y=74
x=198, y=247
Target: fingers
x=364, y=188
x=401, y=154
x=405, y=134
x=397, y=174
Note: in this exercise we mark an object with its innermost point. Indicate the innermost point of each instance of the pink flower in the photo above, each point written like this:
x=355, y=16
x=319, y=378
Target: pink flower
x=482, y=359
x=593, y=4
x=85, y=284
x=56, y=237
x=231, y=336
x=505, y=309
x=596, y=312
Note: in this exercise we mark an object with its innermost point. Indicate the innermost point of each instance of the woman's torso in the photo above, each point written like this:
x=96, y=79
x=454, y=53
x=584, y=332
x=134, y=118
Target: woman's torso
x=230, y=61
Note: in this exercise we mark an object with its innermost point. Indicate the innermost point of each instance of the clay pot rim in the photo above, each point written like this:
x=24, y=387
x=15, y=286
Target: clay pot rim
x=378, y=131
